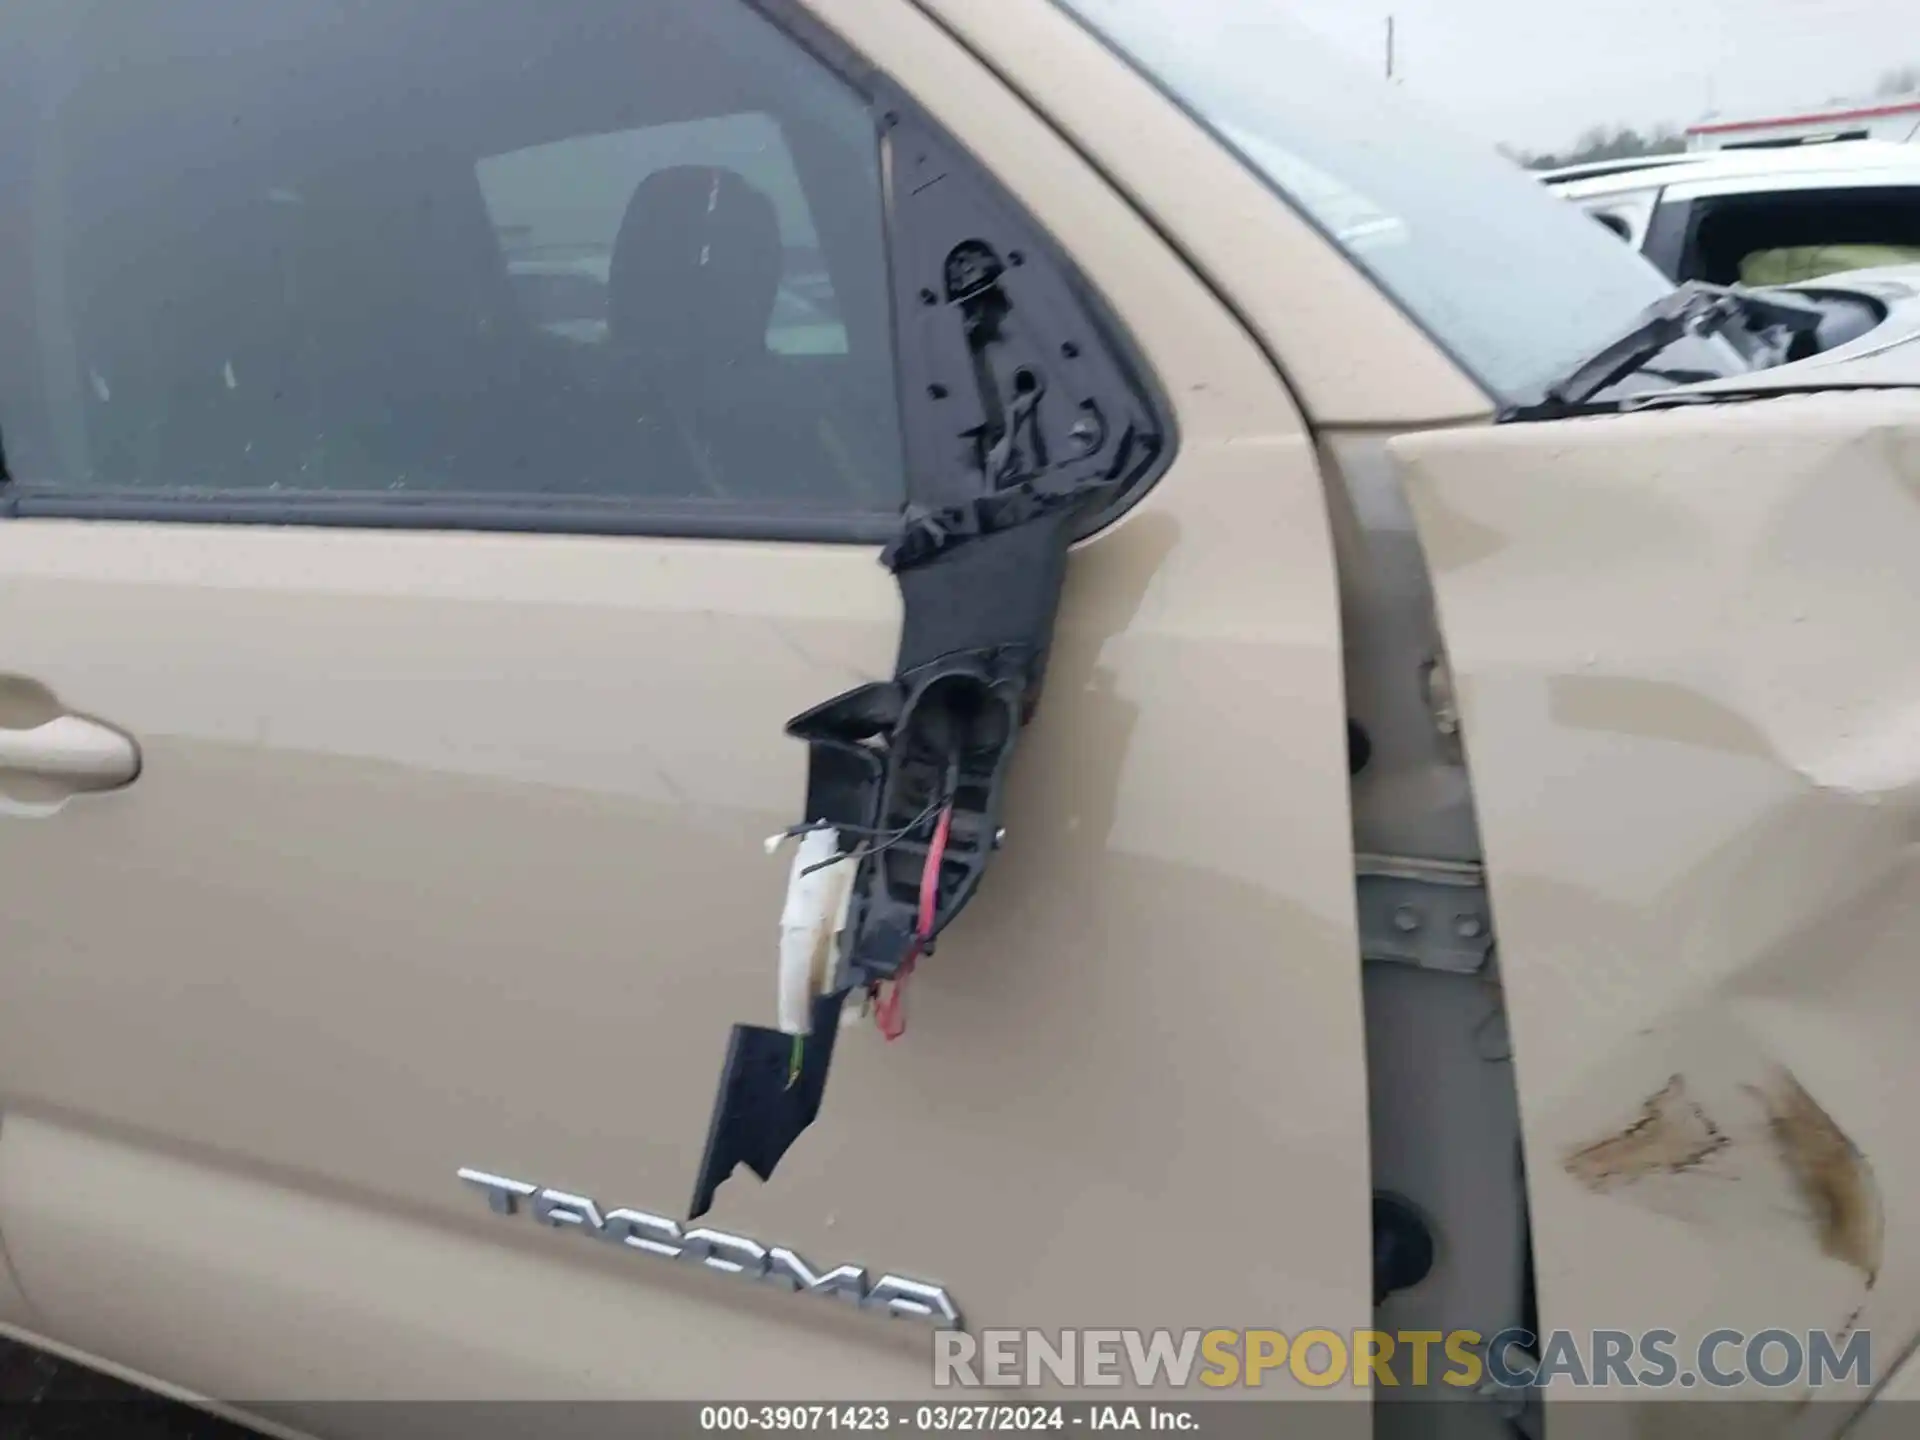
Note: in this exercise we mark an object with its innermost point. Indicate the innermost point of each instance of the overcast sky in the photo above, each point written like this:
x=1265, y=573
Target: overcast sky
x=1535, y=73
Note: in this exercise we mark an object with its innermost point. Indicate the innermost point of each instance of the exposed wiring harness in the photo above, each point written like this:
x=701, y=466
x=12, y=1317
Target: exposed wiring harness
x=877, y=840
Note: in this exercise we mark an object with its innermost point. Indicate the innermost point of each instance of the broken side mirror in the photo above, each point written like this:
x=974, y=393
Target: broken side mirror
x=1024, y=418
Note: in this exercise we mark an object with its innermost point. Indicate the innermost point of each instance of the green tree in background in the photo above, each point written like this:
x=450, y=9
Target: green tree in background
x=1905, y=81
x=1619, y=142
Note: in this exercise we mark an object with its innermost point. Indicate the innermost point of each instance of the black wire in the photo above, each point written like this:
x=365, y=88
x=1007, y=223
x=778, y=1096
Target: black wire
x=812, y=825
x=879, y=841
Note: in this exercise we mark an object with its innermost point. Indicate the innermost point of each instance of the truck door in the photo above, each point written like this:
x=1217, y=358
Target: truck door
x=446, y=445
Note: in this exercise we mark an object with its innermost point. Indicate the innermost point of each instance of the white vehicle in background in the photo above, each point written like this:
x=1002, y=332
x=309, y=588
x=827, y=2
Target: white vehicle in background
x=1761, y=216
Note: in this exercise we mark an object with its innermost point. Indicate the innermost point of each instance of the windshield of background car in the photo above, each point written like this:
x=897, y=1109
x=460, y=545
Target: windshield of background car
x=1516, y=285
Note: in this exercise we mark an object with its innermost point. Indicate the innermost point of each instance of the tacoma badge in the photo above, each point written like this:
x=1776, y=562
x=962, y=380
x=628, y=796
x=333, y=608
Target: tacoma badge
x=717, y=1251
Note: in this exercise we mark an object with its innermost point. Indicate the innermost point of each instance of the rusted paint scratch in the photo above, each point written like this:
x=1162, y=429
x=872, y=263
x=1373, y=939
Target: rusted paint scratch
x=1786, y=1156
x=1671, y=1135
x=1833, y=1177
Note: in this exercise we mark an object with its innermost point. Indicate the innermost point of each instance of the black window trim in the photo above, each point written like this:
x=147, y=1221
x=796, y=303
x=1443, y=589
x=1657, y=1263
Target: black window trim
x=642, y=516
x=534, y=515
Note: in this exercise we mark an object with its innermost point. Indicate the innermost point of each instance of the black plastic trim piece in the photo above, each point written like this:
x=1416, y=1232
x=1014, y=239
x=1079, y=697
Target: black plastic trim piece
x=759, y=1073
x=1007, y=261
x=1402, y=1246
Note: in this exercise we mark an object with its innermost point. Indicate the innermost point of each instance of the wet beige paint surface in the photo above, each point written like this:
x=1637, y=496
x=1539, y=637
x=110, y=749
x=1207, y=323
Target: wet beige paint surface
x=1685, y=649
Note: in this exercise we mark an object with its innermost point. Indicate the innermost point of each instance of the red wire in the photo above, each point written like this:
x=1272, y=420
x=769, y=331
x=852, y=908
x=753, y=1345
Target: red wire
x=889, y=1011
x=930, y=877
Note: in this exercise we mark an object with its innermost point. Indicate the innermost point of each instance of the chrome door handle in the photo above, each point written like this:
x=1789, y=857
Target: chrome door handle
x=74, y=753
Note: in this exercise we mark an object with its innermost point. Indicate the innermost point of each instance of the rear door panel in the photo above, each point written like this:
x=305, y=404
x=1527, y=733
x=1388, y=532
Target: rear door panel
x=447, y=853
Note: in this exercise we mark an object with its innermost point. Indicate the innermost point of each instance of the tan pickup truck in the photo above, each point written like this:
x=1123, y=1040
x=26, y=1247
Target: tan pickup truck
x=536, y=861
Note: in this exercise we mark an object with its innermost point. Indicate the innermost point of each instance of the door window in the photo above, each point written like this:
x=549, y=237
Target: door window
x=445, y=252
x=556, y=211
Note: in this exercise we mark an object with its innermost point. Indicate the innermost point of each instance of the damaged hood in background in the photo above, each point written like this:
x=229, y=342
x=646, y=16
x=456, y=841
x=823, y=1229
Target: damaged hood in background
x=1686, y=644
x=1888, y=355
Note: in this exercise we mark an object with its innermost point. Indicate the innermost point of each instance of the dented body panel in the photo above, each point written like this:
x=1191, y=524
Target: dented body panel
x=1683, y=642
